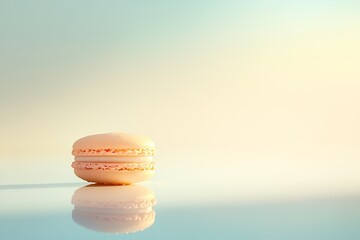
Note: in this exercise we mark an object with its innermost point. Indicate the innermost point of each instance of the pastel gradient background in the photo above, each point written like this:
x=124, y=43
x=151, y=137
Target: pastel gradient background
x=251, y=98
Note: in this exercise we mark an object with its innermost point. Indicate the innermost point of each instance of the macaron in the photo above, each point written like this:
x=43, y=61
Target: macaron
x=114, y=158
x=114, y=209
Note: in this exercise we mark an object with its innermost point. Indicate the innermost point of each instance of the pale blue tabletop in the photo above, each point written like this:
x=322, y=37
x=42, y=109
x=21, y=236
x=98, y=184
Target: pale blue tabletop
x=44, y=211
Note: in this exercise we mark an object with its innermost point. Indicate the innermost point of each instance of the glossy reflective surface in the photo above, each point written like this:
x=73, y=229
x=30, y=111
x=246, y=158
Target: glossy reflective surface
x=114, y=209
x=76, y=211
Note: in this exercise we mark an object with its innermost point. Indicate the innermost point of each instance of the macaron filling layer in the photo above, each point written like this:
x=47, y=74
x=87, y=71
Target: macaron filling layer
x=115, y=152
x=112, y=159
x=144, y=166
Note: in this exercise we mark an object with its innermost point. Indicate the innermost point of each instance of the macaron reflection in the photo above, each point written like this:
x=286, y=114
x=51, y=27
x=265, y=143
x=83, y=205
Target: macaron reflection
x=114, y=209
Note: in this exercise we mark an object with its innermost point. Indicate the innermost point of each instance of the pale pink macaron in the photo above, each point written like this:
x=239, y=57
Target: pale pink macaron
x=114, y=158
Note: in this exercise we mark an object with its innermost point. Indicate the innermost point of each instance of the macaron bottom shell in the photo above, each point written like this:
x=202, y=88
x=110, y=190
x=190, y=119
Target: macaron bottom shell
x=114, y=177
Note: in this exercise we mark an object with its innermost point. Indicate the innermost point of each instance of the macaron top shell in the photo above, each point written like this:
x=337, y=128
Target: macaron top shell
x=115, y=144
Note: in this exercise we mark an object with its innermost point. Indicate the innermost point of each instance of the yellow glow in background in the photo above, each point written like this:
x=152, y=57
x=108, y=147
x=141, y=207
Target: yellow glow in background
x=257, y=94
